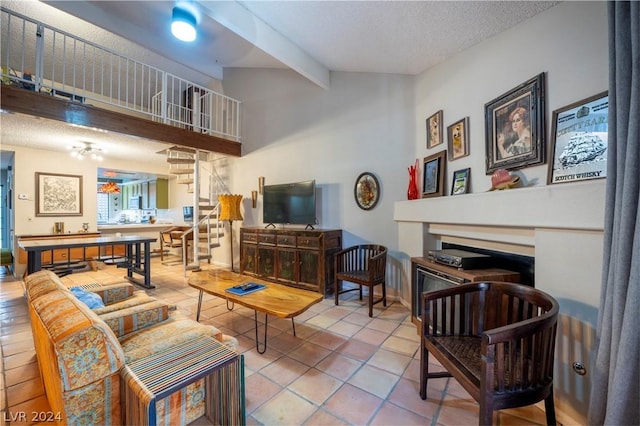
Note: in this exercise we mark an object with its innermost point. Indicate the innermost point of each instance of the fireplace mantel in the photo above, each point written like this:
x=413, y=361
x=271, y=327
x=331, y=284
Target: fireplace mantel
x=577, y=205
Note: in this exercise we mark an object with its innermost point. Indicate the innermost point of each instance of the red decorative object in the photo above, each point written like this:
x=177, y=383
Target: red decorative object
x=412, y=192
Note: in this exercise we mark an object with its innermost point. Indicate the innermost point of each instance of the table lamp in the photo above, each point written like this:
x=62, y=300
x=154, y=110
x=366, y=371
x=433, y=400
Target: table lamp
x=230, y=210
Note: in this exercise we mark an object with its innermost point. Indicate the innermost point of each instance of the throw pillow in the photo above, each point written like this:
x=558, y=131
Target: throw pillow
x=92, y=300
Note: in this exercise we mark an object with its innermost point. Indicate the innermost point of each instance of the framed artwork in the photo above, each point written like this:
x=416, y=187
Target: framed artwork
x=58, y=195
x=458, y=137
x=460, y=184
x=515, y=127
x=434, y=171
x=434, y=130
x=366, y=191
x=579, y=140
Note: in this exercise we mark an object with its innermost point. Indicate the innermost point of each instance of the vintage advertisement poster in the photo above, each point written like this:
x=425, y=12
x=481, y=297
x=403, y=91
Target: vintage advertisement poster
x=580, y=141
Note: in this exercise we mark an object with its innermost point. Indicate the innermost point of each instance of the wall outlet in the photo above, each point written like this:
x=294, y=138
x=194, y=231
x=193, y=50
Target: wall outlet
x=23, y=196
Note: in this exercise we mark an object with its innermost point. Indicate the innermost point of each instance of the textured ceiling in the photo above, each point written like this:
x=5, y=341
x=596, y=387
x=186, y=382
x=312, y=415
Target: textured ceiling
x=312, y=38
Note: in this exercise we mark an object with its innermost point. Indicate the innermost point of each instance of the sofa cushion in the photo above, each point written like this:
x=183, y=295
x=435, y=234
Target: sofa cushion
x=176, y=329
x=92, y=300
x=133, y=318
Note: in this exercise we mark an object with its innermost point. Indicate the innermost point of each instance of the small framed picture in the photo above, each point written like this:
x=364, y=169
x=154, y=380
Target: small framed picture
x=458, y=137
x=434, y=130
x=434, y=171
x=579, y=140
x=515, y=127
x=460, y=184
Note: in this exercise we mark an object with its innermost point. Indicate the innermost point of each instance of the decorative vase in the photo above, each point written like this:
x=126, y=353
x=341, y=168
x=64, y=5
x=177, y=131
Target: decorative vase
x=412, y=191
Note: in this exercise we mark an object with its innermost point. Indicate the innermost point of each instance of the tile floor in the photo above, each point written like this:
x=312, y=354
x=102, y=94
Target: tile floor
x=342, y=368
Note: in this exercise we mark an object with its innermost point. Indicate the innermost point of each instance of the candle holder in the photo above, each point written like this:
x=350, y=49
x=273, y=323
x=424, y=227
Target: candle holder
x=254, y=199
x=261, y=185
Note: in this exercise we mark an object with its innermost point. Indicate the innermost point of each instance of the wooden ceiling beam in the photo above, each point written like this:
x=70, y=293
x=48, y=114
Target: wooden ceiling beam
x=28, y=102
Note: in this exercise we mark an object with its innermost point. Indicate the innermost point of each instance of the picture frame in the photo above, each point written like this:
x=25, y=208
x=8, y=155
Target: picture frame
x=579, y=140
x=515, y=127
x=460, y=182
x=458, y=139
x=434, y=169
x=434, y=130
x=366, y=191
x=58, y=194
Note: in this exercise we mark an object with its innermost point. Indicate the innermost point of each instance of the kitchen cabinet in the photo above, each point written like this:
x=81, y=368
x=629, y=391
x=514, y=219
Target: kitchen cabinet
x=159, y=194
x=299, y=258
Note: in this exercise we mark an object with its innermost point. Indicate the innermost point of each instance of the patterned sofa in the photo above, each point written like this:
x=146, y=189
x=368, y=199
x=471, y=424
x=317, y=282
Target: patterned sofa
x=84, y=355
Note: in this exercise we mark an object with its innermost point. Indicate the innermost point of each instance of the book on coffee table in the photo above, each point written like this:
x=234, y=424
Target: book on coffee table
x=247, y=288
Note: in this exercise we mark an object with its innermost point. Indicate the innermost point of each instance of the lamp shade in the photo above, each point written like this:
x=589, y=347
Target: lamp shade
x=230, y=207
x=183, y=25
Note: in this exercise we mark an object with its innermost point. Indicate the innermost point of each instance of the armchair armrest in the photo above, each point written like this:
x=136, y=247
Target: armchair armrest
x=113, y=293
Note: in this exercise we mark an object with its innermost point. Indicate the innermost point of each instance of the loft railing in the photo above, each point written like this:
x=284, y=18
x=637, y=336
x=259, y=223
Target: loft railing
x=38, y=57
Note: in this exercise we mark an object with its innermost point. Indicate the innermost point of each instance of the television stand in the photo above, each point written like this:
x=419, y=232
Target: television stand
x=309, y=226
x=300, y=258
x=269, y=225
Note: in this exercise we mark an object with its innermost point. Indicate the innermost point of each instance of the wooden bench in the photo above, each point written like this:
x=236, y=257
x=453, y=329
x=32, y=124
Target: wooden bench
x=496, y=339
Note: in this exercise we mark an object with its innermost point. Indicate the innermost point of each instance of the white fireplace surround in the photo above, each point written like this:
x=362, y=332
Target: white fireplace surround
x=560, y=225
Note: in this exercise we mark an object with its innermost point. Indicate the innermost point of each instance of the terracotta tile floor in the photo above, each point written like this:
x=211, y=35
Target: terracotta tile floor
x=342, y=368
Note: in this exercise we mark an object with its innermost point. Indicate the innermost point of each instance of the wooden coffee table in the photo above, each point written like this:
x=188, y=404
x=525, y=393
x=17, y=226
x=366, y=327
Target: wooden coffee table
x=276, y=299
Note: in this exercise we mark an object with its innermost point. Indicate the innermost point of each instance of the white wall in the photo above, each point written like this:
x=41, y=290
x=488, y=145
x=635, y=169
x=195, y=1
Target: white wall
x=294, y=130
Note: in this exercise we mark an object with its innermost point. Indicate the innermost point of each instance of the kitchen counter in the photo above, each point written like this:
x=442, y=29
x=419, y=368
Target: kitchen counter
x=129, y=227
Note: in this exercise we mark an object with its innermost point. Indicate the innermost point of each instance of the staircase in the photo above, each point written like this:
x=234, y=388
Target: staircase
x=193, y=168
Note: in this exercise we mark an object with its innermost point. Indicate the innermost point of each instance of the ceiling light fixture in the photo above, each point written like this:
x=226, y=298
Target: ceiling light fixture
x=183, y=24
x=86, y=149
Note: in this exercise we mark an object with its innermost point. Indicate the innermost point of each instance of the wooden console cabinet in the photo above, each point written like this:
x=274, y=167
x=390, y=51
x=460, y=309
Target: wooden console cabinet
x=300, y=258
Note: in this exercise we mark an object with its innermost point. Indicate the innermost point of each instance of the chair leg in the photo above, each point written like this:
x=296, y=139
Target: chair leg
x=384, y=294
x=424, y=371
x=550, y=408
x=337, y=286
x=370, y=302
x=486, y=414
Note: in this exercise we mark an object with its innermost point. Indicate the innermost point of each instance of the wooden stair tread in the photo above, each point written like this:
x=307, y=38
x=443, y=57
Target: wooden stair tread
x=180, y=160
x=182, y=149
x=181, y=171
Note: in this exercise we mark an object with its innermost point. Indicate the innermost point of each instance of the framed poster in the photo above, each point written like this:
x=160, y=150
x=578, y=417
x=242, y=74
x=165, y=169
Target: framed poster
x=366, y=191
x=460, y=184
x=433, y=179
x=579, y=140
x=434, y=130
x=58, y=195
x=515, y=127
x=458, y=137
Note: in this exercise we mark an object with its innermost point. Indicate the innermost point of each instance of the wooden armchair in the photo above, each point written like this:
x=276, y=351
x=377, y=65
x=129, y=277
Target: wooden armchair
x=364, y=265
x=497, y=339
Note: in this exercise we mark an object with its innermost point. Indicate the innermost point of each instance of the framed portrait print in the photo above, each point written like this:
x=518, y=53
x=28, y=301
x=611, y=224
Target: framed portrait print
x=366, y=191
x=579, y=140
x=58, y=195
x=515, y=127
x=434, y=130
x=458, y=139
x=434, y=171
x=460, y=184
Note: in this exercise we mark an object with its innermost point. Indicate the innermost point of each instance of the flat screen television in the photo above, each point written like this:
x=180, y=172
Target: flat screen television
x=291, y=203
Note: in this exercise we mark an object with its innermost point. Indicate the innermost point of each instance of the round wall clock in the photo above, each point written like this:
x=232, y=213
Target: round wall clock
x=366, y=191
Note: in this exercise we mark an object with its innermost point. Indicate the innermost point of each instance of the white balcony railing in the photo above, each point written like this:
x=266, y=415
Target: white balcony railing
x=38, y=57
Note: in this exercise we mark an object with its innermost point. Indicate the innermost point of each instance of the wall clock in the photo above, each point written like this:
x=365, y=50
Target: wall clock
x=366, y=191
